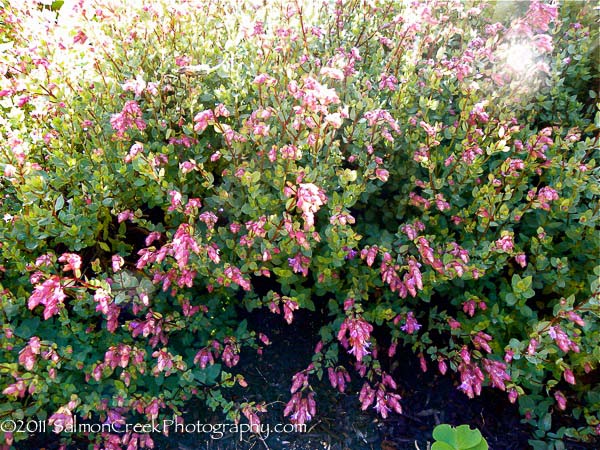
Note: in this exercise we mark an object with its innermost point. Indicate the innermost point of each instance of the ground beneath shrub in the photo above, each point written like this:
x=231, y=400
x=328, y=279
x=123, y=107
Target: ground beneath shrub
x=427, y=400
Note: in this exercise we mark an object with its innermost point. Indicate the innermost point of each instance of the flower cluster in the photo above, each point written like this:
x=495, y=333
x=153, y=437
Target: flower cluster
x=355, y=333
x=129, y=118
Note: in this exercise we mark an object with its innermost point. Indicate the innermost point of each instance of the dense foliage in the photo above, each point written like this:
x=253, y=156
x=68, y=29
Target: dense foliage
x=421, y=174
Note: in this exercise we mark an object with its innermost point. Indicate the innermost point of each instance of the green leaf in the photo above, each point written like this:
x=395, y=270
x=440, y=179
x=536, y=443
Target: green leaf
x=59, y=203
x=538, y=445
x=445, y=433
x=27, y=328
x=467, y=438
x=483, y=445
x=545, y=423
x=441, y=446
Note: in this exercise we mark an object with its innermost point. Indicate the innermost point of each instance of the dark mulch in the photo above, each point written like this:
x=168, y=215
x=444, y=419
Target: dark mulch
x=427, y=400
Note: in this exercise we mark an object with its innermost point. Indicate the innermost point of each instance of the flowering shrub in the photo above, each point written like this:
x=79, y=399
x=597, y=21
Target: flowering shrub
x=419, y=172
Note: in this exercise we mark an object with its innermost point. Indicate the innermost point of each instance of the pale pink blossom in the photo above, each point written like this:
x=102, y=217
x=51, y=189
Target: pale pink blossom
x=569, y=376
x=130, y=117
x=73, y=262
x=505, y=243
x=410, y=325
x=333, y=73
x=310, y=198
x=203, y=119
x=358, y=331
x=289, y=306
x=50, y=294
x=136, y=85
x=125, y=215
x=301, y=410
x=561, y=400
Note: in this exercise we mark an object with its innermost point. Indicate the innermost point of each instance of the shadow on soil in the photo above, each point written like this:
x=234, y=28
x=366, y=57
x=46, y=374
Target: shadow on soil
x=427, y=400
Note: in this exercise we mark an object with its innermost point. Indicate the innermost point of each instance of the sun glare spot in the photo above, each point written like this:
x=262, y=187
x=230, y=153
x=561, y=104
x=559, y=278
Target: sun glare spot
x=519, y=57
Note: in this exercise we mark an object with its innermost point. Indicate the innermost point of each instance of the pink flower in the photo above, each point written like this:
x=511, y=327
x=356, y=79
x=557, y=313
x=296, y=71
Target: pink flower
x=385, y=402
x=230, y=354
x=382, y=116
x=369, y=253
x=164, y=362
x=188, y=166
x=204, y=358
x=562, y=339
x=512, y=395
x=265, y=79
x=137, y=85
x=442, y=366
x=135, y=149
x=431, y=131
x=334, y=119
x=478, y=113
x=422, y=362
x=480, y=340
x=412, y=231
x=366, y=396
x=568, y=376
x=192, y=205
x=175, y=200
x=560, y=400
x=359, y=333
x=125, y=215
x=532, y=347
x=234, y=274
x=469, y=307
x=130, y=117
x=50, y=294
x=545, y=196
x=411, y=325
x=290, y=152
x=521, y=259
x=104, y=300
x=23, y=100
x=388, y=82
x=310, y=198
x=61, y=419
x=202, y=120
x=333, y=73
x=153, y=236
x=382, y=174
x=28, y=355
x=117, y=262
x=441, y=203
x=299, y=264
x=471, y=379
x=221, y=111
x=505, y=243
x=17, y=389
x=496, y=370
x=540, y=14
x=289, y=306
x=301, y=410
x=182, y=60
x=183, y=243
x=575, y=318
x=10, y=171
x=73, y=262
x=209, y=218
x=543, y=42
